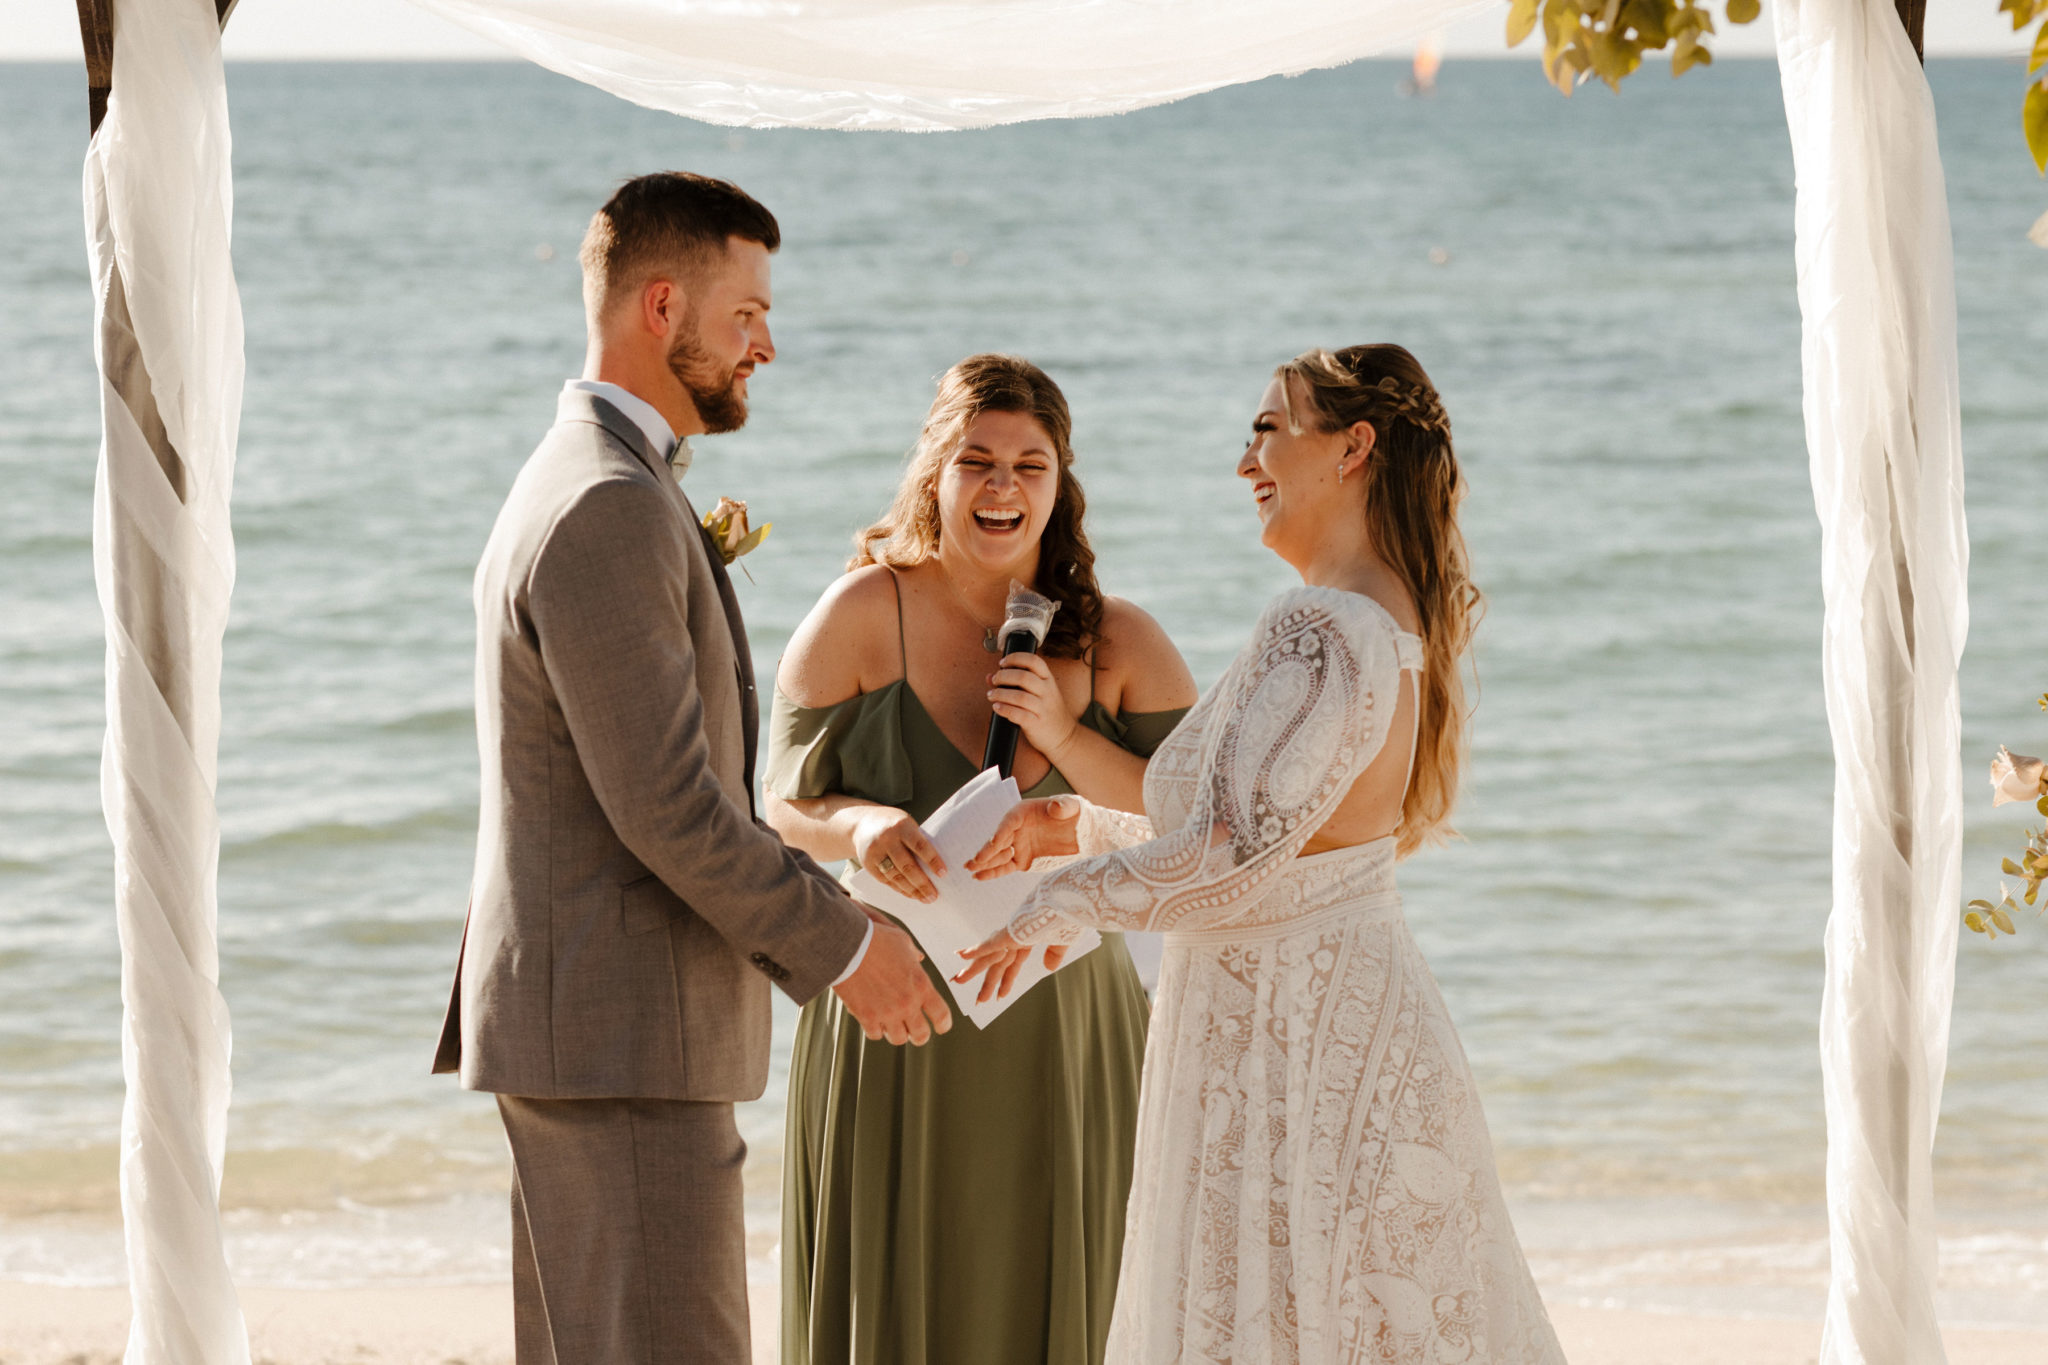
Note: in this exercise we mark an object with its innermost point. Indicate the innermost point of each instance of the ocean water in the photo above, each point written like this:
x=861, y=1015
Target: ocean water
x=1628, y=933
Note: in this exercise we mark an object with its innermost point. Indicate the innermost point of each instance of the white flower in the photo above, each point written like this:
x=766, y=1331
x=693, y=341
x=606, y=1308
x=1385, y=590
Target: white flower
x=2015, y=777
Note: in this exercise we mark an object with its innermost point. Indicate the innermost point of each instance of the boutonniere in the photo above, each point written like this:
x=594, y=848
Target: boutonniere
x=727, y=526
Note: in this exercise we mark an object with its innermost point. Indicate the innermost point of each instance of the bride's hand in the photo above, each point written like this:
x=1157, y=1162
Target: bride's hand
x=893, y=850
x=1045, y=827
x=1022, y=689
x=998, y=961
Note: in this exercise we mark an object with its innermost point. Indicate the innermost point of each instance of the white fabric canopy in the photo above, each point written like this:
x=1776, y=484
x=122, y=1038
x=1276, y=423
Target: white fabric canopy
x=158, y=201
x=929, y=65
x=1876, y=294
x=1883, y=430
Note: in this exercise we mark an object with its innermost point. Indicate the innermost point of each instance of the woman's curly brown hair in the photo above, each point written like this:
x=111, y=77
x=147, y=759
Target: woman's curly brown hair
x=908, y=533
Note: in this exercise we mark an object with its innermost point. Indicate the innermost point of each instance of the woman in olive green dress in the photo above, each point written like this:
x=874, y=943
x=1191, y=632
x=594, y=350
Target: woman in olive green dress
x=962, y=1203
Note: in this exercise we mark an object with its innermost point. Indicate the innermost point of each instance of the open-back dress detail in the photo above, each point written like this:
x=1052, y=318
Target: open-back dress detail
x=1315, y=1184
x=961, y=1201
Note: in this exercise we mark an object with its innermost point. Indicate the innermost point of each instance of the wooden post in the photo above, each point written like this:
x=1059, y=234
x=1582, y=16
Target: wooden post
x=96, y=28
x=1912, y=13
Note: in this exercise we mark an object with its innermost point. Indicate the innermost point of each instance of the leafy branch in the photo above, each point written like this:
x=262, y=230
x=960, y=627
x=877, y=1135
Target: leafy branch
x=2034, y=104
x=1586, y=40
x=1606, y=39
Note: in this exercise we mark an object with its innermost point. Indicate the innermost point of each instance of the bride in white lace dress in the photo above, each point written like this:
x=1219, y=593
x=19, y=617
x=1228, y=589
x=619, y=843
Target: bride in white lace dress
x=1314, y=1179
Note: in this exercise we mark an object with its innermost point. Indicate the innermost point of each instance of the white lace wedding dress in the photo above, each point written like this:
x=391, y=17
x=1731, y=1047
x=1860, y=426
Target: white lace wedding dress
x=1314, y=1180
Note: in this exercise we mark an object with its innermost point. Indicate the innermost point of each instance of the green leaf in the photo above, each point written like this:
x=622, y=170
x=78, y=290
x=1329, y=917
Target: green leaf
x=754, y=538
x=1980, y=905
x=1521, y=21
x=2040, y=52
x=2042, y=805
x=1650, y=19
x=1744, y=11
x=2034, y=119
x=2010, y=868
x=1560, y=22
x=1612, y=59
x=2002, y=920
x=1975, y=921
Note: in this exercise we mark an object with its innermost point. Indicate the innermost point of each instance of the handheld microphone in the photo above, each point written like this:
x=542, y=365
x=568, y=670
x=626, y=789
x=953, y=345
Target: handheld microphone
x=1027, y=617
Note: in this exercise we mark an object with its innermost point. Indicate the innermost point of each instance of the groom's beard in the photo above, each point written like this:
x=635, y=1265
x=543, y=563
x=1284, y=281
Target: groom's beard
x=720, y=404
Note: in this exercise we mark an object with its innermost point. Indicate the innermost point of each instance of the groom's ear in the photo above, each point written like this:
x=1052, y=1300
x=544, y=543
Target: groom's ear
x=663, y=306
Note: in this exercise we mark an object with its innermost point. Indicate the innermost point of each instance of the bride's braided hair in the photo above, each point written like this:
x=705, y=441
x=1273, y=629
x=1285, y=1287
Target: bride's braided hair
x=1411, y=489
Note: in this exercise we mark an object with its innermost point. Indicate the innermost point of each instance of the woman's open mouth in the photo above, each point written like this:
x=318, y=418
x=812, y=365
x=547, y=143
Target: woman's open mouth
x=1263, y=491
x=999, y=520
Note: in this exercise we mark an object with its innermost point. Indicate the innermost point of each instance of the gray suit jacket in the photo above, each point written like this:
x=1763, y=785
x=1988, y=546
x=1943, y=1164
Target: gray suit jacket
x=628, y=911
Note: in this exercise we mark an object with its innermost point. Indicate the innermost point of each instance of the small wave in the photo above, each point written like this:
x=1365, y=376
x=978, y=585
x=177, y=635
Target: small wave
x=446, y=720
x=344, y=833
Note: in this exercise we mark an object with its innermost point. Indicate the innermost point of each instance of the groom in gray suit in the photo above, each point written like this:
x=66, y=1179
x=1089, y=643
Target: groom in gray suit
x=628, y=911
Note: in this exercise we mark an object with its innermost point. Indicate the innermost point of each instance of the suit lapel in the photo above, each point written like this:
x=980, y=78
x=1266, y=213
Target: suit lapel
x=585, y=406
x=750, y=705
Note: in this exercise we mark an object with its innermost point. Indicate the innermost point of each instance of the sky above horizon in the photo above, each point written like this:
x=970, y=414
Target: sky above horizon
x=313, y=30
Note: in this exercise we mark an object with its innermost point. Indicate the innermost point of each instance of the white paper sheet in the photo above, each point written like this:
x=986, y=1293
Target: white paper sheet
x=968, y=911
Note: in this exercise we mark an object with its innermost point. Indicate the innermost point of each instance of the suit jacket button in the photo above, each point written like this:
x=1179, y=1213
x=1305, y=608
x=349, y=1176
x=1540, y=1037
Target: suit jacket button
x=774, y=970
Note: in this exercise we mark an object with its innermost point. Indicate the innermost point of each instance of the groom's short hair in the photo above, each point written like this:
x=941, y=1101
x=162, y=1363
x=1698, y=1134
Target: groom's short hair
x=667, y=223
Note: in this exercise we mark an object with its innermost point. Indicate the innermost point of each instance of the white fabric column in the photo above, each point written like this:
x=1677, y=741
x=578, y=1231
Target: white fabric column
x=158, y=202
x=1877, y=295
x=929, y=65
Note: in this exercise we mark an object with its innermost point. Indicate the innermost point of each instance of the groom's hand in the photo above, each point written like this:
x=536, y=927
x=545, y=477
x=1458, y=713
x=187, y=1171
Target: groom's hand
x=890, y=995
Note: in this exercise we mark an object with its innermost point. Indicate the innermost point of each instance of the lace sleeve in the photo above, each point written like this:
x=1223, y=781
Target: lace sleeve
x=1299, y=716
x=1102, y=830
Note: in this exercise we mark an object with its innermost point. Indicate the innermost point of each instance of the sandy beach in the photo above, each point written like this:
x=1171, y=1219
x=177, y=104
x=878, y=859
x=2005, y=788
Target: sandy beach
x=472, y=1325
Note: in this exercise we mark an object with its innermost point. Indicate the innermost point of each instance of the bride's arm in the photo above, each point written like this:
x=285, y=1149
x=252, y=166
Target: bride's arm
x=1295, y=722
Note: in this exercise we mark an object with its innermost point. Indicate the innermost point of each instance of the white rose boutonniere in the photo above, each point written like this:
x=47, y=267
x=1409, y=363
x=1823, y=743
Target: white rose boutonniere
x=730, y=536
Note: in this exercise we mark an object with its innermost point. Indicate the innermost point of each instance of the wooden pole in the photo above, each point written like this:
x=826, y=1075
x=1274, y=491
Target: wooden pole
x=96, y=28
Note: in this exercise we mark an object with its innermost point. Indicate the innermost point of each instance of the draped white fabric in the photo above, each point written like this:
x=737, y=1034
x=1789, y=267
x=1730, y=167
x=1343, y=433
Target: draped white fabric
x=1883, y=429
x=1875, y=282
x=158, y=203
x=929, y=65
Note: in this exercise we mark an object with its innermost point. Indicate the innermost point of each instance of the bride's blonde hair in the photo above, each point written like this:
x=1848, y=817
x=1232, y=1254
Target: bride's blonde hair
x=1412, y=490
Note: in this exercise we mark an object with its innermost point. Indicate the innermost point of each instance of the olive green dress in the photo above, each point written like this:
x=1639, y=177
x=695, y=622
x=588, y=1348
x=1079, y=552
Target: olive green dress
x=960, y=1203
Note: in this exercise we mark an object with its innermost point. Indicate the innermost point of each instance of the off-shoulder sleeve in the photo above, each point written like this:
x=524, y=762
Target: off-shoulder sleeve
x=1297, y=718
x=851, y=748
x=1145, y=731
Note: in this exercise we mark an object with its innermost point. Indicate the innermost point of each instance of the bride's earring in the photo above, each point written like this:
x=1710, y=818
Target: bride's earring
x=1340, y=471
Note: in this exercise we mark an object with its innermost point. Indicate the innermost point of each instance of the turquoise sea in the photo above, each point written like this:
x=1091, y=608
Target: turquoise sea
x=1629, y=932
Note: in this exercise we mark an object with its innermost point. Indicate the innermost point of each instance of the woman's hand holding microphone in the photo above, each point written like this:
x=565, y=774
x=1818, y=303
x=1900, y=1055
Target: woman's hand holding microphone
x=1022, y=691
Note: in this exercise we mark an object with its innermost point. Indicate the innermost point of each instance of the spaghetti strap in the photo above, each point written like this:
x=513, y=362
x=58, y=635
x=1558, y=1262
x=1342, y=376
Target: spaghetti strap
x=902, y=650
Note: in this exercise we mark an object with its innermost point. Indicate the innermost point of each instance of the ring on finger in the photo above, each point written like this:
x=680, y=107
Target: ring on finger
x=887, y=865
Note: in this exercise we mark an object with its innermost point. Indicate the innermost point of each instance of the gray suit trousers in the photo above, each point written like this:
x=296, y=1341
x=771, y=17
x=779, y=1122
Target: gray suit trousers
x=628, y=1232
